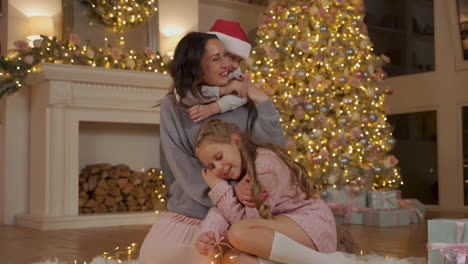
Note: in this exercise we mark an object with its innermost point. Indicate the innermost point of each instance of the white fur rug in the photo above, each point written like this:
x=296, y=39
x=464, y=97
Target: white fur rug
x=353, y=259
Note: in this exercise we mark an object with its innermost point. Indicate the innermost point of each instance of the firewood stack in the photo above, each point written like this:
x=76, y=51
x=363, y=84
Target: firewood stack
x=106, y=188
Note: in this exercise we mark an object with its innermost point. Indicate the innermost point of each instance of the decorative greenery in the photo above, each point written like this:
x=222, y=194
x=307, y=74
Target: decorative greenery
x=121, y=15
x=24, y=59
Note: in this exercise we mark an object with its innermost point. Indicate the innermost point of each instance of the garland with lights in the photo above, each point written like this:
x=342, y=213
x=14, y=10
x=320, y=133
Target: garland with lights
x=15, y=67
x=316, y=60
x=121, y=15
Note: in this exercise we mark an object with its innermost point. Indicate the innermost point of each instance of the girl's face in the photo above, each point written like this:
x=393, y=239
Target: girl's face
x=214, y=64
x=222, y=159
x=234, y=61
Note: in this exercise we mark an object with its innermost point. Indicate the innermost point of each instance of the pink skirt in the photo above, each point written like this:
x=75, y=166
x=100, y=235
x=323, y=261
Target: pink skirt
x=171, y=241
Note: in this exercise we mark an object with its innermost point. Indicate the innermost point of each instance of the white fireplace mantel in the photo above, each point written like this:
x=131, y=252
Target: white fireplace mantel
x=61, y=96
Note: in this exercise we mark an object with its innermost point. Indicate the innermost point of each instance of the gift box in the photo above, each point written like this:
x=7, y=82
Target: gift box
x=346, y=197
x=417, y=209
x=447, y=241
x=383, y=199
x=355, y=217
x=348, y=215
x=388, y=217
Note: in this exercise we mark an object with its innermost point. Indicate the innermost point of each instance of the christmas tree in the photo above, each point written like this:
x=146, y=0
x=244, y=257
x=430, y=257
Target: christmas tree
x=316, y=60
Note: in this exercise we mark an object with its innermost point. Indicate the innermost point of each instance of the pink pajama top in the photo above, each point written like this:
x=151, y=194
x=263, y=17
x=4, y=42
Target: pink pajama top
x=285, y=198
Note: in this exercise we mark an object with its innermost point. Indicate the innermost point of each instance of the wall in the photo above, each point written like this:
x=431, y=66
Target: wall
x=20, y=10
x=247, y=15
x=444, y=90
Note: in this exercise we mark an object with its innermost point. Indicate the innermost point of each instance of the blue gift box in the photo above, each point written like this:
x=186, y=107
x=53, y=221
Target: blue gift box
x=443, y=234
x=383, y=199
x=346, y=197
x=388, y=217
x=417, y=209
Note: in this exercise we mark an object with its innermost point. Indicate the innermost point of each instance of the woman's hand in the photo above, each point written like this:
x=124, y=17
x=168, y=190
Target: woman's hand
x=200, y=112
x=205, y=242
x=211, y=179
x=243, y=192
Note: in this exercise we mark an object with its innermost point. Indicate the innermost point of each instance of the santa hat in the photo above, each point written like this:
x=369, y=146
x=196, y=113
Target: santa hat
x=232, y=36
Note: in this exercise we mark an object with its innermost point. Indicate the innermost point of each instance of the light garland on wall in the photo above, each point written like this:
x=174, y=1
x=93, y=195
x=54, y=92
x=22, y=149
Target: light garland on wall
x=121, y=15
x=24, y=59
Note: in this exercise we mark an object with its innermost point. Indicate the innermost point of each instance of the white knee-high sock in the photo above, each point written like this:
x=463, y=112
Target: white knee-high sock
x=288, y=251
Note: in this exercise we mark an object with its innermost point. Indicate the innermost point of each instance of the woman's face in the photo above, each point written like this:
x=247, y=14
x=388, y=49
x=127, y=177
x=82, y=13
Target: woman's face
x=214, y=64
x=222, y=159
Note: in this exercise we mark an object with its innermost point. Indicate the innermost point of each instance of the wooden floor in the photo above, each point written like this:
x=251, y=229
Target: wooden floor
x=20, y=245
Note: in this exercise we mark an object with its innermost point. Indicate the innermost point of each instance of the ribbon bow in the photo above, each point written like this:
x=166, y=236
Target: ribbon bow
x=220, y=255
x=453, y=251
x=384, y=198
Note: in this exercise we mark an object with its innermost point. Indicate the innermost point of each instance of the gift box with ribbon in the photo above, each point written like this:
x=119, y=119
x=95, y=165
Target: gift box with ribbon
x=388, y=217
x=417, y=209
x=347, y=197
x=383, y=199
x=447, y=241
x=348, y=214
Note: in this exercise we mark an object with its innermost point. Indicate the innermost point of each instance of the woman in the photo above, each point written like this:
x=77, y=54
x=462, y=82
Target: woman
x=199, y=59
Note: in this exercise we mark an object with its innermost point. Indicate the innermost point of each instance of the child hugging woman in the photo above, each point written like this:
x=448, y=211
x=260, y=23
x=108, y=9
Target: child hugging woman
x=290, y=225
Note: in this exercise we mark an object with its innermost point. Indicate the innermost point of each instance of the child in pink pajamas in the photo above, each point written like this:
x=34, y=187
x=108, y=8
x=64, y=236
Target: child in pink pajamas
x=291, y=213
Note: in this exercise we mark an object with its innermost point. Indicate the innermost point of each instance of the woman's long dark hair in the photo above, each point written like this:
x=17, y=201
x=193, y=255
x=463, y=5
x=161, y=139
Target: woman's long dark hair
x=185, y=68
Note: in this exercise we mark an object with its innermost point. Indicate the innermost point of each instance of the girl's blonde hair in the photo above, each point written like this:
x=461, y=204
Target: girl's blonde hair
x=218, y=131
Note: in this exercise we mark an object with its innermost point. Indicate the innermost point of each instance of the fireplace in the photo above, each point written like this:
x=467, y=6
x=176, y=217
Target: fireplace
x=63, y=98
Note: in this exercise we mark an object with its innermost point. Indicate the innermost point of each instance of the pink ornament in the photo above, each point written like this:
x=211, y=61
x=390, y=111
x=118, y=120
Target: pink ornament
x=283, y=73
x=314, y=82
x=299, y=114
x=149, y=52
x=292, y=101
x=114, y=52
x=305, y=47
x=304, y=7
x=326, y=83
x=74, y=39
x=385, y=58
x=354, y=82
x=334, y=143
x=290, y=144
x=340, y=2
x=21, y=45
x=322, y=12
x=272, y=53
x=393, y=160
x=356, y=189
x=323, y=120
x=317, y=159
x=331, y=19
x=356, y=132
x=324, y=153
x=282, y=23
x=267, y=19
x=303, y=24
x=333, y=50
x=358, y=74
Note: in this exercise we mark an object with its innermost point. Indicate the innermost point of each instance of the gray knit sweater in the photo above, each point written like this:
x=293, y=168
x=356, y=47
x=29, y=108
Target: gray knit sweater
x=188, y=192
